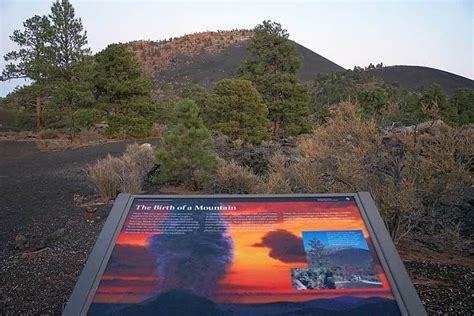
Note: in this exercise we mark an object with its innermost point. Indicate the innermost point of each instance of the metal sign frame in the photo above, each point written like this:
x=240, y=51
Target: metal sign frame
x=405, y=294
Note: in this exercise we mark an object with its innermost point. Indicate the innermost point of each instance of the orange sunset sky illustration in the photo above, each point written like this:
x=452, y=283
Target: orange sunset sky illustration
x=258, y=273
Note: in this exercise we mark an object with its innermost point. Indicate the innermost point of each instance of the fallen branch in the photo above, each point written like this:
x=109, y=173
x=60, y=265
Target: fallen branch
x=26, y=254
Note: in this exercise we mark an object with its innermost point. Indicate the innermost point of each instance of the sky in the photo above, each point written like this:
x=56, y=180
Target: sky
x=333, y=239
x=438, y=34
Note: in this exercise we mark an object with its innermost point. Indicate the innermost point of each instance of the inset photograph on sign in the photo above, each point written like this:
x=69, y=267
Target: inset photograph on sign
x=337, y=259
x=244, y=256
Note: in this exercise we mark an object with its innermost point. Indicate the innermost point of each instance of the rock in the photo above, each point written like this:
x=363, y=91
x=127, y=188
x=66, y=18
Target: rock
x=78, y=199
x=37, y=244
x=21, y=242
x=90, y=209
x=58, y=233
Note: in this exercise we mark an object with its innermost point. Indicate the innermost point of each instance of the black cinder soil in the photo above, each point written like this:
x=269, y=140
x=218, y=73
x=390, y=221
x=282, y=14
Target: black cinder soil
x=37, y=201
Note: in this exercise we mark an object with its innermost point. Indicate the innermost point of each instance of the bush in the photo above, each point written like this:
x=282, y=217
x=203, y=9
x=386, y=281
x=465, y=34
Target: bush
x=256, y=157
x=24, y=120
x=232, y=178
x=186, y=155
x=139, y=127
x=442, y=163
x=47, y=145
x=86, y=117
x=158, y=130
x=129, y=175
x=142, y=155
x=104, y=177
x=88, y=136
x=238, y=111
x=55, y=140
x=112, y=175
x=48, y=134
x=420, y=180
x=129, y=126
x=277, y=181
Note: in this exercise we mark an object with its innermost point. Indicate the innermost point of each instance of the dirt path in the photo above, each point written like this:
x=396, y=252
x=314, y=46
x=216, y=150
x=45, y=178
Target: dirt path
x=37, y=200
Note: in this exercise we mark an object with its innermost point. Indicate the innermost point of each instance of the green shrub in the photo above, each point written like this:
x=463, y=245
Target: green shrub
x=24, y=120
x=237, y=110
x=129, y=126
x=186, y=155
x=86, y=117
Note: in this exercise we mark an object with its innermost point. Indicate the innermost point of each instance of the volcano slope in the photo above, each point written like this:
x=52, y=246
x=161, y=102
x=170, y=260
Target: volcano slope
x=207, y=57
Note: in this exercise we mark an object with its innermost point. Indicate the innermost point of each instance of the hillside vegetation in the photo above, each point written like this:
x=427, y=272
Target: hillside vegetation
x=156, y=56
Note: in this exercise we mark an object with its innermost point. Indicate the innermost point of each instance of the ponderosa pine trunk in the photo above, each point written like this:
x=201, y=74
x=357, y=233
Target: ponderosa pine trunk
x=39, y=113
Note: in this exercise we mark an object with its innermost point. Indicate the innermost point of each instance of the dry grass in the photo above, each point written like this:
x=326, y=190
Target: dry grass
x=47, y=145
x=143, y=156
x=112, y=175
x=103, y=174
x=56, y=140
x=17, y=136
x=48, y=134
x=158, y=131
x=277, y=181
x=234, y=179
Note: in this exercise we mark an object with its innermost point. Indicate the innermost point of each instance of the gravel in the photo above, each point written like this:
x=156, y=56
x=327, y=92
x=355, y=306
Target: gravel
x=37, y=192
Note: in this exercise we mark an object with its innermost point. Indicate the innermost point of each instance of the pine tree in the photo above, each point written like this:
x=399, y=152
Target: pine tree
x=118, y=76
x=373, y=101
x=68, y=37
x=316, y=252
x=274, y=72
x=72, y=96
x=32, y=60
x=186, y=154
x=434, y=97
x=123, y=92
x=71, y=67
x=51, y=54
x=463, y=101
x=238, y=111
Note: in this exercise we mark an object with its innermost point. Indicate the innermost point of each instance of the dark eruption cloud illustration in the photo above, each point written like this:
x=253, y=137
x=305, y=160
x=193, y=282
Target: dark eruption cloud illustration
x=284, y=246
x=193, y=261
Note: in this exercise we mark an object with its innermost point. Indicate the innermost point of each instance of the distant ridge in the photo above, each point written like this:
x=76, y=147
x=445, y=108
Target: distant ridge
x=415, y=77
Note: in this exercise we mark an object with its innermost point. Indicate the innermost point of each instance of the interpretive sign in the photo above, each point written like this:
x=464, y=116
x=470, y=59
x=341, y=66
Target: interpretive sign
x=323, y=254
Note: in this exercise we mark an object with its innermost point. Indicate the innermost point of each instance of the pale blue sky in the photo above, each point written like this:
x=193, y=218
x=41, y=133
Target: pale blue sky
x=436, y=34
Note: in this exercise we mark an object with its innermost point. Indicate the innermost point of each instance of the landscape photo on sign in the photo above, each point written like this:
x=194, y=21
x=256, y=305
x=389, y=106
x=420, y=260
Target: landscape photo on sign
x=243, y=256
x=336, y=260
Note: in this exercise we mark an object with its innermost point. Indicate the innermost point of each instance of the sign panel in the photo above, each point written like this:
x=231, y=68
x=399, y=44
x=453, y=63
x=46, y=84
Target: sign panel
x=244, y=255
